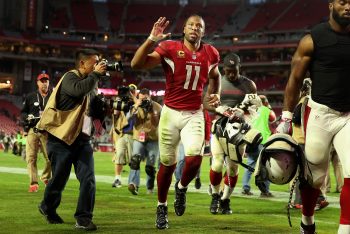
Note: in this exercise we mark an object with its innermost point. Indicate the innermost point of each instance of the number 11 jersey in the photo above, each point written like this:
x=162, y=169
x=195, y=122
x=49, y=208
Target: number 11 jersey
x=186, y=73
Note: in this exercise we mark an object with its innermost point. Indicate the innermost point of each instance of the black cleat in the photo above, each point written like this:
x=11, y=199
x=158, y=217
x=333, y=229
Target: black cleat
x=197, y=183
x=307, y=229
x=162, y=217
x=225, y=206
x=215, y=203
x=86, y=225
x=180, y=200
x=53, y=218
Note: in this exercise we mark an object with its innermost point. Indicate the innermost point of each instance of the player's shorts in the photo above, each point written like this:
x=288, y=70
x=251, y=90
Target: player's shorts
x=324, y=127
x=176, y=124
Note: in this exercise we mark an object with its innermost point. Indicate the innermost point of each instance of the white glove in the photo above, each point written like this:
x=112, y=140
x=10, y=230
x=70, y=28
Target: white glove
x=250, y=99
x=231, y=113
x=285, y=126
x=30, y=117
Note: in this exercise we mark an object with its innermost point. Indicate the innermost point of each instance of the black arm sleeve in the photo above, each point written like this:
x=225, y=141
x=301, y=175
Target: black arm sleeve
x=75, y=86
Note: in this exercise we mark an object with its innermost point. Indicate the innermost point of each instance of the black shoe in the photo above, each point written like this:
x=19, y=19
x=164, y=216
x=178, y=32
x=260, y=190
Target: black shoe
x=53, y=218
x=117, y=184
x=133, y=189
x=266, y=195
x=307, y=229
x=180, y=200
x=86, y=225
x=215, y=203
x=225, y=206
x=247, y=192
x=162, y=217
x=197, y=183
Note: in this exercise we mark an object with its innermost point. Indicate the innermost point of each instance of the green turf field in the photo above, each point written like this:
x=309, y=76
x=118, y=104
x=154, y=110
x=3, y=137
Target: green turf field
x=117, y=211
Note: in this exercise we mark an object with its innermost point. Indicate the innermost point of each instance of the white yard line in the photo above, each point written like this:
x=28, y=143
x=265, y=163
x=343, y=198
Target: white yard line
x=278, y=196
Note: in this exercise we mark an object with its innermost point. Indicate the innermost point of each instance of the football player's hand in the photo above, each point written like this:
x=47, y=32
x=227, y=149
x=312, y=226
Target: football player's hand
x=231, y=113
x=157, y=32
x=285, y=126
x=214, y=100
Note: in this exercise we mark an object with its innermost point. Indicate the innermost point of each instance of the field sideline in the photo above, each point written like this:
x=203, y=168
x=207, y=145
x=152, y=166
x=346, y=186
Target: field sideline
x=117, y=211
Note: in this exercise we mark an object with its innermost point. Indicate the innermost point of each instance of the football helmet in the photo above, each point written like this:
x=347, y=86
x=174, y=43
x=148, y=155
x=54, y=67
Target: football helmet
x=233, y=134
x=279, y=159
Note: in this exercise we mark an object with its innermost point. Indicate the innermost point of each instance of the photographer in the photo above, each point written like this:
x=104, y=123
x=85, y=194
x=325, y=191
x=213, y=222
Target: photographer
x=146, y=114
x=34, y=105
x=68, y=118
x=122, y=130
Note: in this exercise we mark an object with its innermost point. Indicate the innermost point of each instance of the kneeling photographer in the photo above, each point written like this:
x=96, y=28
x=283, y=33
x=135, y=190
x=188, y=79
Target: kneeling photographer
x=33, y=107
x=146, y=114
x=122, y=129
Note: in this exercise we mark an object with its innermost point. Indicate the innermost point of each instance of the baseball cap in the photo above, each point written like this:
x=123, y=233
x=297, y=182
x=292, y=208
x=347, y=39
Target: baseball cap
x=231, y=59
x=43, y=76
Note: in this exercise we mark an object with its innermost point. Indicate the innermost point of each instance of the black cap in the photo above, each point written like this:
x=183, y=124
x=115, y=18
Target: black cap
x=145, y=91
x=232, y=59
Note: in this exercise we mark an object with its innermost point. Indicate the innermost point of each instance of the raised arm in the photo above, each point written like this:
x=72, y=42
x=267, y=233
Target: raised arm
x=143, y=58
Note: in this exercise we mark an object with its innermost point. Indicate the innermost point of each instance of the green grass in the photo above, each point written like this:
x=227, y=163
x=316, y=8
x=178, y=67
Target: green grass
x=117, y=211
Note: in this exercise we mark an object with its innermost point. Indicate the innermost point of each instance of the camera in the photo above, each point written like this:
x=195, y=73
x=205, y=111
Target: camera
x=122, y=105
x=30, y=122
x=125, y=102
x=146, y=105
x=124, y=92
x=116, y=66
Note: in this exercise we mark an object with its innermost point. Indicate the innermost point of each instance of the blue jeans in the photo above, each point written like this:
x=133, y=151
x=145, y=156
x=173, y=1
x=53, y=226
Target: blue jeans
x=252, y=158
x=150, y=151
x=62, y=157
x=180, y=162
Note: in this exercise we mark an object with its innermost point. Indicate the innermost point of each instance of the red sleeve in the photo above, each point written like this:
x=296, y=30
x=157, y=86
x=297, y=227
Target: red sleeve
x=213, y=55
x=163, y=48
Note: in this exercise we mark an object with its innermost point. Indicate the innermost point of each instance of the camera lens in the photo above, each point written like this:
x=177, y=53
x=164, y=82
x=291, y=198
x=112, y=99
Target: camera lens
x=117, y=66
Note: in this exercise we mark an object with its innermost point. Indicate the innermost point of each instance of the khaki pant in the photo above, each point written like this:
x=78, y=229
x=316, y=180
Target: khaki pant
x=123, y=149
x=338, y=172
x=34, y=142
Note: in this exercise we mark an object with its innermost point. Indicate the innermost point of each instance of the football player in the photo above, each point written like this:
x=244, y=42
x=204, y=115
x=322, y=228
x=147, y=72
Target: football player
x=188, y=65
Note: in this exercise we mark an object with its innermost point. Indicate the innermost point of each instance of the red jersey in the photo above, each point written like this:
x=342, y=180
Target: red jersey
x=186, y=73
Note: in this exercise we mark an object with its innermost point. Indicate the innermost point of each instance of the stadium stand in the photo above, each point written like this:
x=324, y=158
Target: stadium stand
x=83, y=15
x=302, y=15
x=60, y=18
x=265, y=15
x=215, y=16
x=140, y=18
x=9, y=113
x=115, y=15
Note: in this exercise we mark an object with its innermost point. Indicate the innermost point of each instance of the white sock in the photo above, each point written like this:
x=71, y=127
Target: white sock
x=180, y=186
x=215, y=188
x=227, y=192
x=162, y=203
x=307, y=220
x=344, y=229
x=119, y=177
